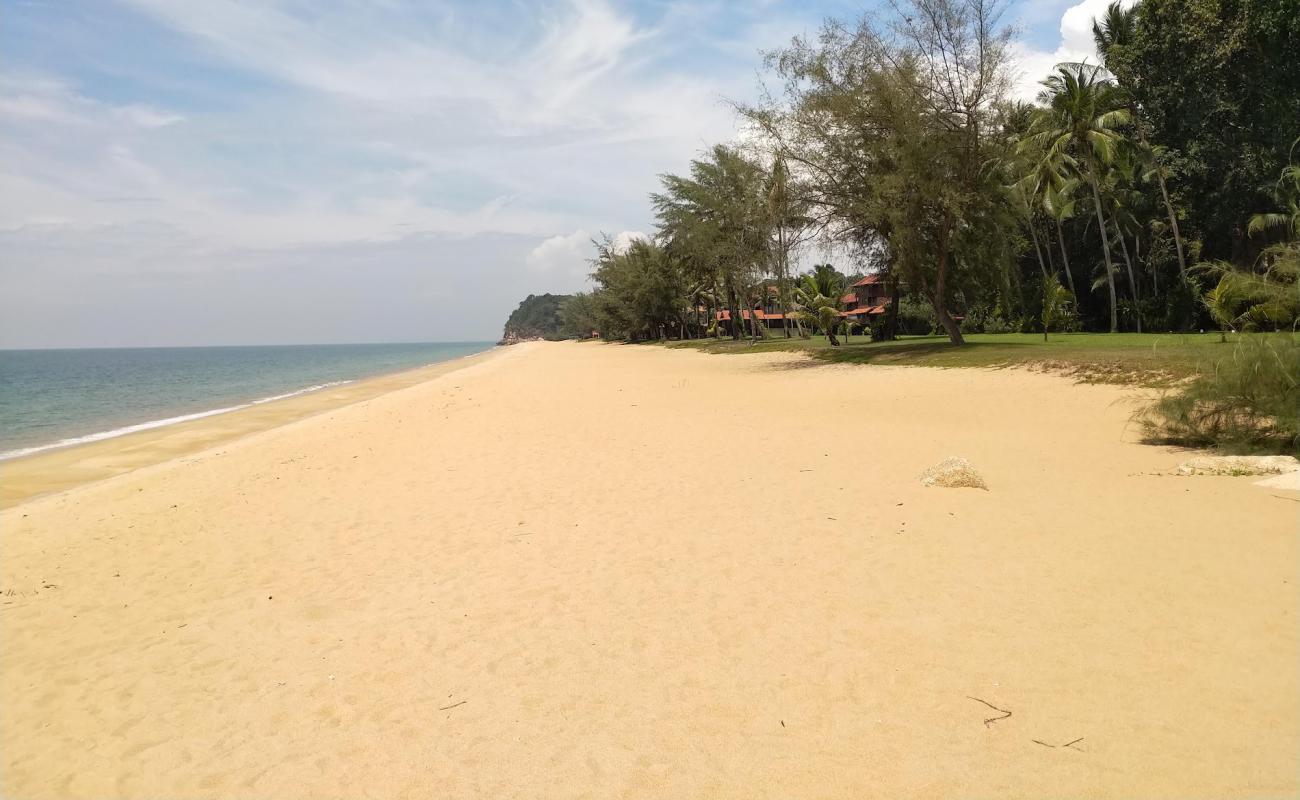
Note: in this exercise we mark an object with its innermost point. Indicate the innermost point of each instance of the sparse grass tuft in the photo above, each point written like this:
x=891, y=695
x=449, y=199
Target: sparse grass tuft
x=1245, y=402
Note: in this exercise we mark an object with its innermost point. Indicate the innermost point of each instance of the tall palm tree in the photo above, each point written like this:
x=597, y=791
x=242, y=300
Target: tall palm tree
x=1116, y=30
x=1059, y=203
x=1077, y=132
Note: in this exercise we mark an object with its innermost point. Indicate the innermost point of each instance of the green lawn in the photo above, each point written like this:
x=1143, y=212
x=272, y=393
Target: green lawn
x=1143, y=358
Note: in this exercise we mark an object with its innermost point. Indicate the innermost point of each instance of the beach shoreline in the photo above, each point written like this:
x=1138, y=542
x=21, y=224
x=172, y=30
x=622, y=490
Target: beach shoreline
x=55, y=468
x=609, y=571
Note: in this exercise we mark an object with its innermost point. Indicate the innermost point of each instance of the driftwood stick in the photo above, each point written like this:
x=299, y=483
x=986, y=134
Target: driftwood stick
x=1076, y=741
x=453, y=705
x=988, y=723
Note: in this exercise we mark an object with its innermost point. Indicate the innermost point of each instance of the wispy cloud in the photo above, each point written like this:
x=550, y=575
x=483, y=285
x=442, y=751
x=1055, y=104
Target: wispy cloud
x=148, y=142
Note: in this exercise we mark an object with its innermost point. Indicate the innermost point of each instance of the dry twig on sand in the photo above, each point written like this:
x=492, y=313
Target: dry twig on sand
x=988, y=723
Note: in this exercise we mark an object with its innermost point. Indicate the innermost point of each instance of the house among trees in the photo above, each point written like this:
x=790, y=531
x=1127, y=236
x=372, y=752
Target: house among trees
x=769, y=316
x=867, y=298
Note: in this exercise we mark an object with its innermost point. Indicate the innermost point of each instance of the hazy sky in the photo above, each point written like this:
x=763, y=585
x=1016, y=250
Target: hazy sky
x=280, y=171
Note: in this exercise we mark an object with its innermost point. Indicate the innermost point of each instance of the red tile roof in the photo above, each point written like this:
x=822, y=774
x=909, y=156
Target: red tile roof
x=849, y=298
x=744, y=314
x=870, y=279
x=864, y=311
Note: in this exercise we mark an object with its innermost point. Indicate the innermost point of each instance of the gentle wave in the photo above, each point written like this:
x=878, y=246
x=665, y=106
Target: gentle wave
x=160, y=423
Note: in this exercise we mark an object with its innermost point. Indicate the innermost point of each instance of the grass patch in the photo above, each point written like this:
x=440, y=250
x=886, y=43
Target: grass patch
x=1245, y=402
x=1147, y=359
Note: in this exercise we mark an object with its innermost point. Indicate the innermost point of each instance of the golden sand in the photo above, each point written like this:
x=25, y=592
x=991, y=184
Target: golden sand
x=577, y=570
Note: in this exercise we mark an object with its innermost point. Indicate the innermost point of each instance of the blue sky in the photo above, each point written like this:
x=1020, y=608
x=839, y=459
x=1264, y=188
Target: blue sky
x=262, y=171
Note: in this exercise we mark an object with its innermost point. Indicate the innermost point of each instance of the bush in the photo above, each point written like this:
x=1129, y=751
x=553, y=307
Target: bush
x=1248, y=401
x=916, y=317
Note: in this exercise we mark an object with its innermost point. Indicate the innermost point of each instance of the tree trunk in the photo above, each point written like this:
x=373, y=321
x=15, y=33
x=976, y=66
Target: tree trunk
x=734, y=308
x=1155, y=272
x=890, y=328
x=937, y=299
x=1173, y=224
x=783, y=280
x=1132, y=279
x=1105, y=249
x=1038, y=251
x=1065, y=258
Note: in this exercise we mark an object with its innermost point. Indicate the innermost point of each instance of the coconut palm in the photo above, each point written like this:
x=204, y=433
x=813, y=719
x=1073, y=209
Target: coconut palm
x=1116, y=27
x=1077, y=133
x=1116, y=30
x=828, y=317
x=1056, y=303
x=1059, y=203
x=818, y=290
x=1287, y=194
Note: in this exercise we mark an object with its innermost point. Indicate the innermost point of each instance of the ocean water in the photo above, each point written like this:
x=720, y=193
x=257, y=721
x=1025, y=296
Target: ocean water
x=55, y=398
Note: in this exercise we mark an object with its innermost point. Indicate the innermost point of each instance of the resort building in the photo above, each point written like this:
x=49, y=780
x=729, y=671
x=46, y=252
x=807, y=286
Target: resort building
x=867, y=298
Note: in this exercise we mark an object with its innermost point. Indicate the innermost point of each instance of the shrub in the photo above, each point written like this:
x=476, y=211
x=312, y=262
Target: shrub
x=1247, y=401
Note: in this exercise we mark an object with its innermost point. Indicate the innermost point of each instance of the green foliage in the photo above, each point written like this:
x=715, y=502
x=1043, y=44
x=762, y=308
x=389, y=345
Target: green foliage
x=1218, y=83
x=578, y=316
x=1248, y=400
x=1057, y=301
x=538, y=317
x=891, y=138
x=640, y=291
x=916, y=316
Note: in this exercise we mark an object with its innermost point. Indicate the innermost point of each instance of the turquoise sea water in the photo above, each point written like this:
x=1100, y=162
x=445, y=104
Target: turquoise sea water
x=54, y=398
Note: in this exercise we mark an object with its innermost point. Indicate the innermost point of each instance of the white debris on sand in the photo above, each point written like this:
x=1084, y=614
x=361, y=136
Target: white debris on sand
x=1239, y=465
x=1288, y=481
x=953, y=472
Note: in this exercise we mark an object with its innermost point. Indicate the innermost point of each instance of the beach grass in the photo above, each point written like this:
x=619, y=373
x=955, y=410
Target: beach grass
x=1148, y=359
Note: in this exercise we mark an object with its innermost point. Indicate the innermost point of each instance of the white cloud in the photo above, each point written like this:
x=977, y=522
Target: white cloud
x=147, y=117
x=624, y=239
x=569, y=254
x=562, y=253
x=1076, y=45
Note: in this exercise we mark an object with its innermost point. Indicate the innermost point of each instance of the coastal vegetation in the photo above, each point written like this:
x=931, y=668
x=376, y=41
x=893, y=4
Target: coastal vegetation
x=1154, y=191
x=539, y=316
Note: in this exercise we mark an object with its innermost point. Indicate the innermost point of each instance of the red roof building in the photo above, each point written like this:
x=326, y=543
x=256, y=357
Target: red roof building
x=868, y=297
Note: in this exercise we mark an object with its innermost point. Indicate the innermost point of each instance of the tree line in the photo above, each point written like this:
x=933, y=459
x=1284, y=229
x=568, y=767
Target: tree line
x=1157, y=190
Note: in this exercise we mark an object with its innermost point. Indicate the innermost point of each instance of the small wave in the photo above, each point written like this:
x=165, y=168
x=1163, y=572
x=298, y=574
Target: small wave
x=159, y=423
x=315, y=388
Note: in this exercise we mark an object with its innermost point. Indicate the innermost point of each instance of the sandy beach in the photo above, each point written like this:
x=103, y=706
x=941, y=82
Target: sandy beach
x=582, y=570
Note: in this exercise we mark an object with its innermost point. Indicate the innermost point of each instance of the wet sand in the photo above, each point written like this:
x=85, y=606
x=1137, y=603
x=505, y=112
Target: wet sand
x=54, y=470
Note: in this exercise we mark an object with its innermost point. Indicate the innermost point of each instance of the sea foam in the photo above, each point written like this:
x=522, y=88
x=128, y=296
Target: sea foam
x=161, y=423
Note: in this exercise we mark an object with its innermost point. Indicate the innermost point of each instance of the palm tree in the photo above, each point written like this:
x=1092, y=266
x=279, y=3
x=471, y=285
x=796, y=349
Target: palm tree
x=1077, y=133
x=1116, y=28
x=1155, y=168
x=818, y=292
x=1287, y=194
x=1112, y=33
x=1222, y=302
x=1059, y=203
x=1056, y=303
x=829, y=319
